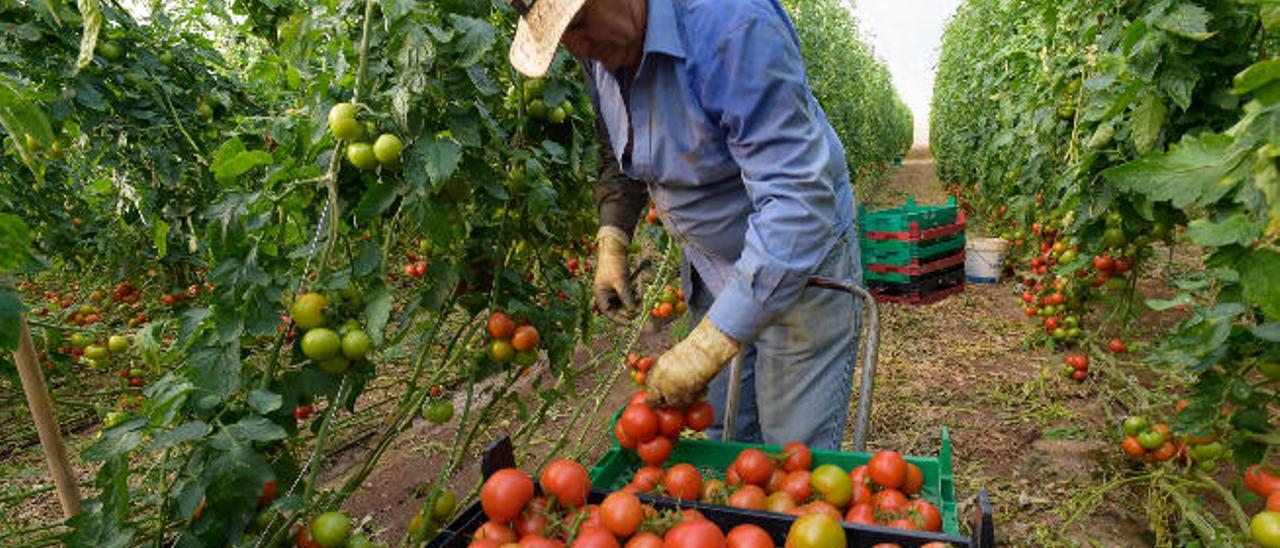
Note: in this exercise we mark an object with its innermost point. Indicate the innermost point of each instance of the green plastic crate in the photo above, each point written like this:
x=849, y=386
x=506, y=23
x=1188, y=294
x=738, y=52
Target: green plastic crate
x=899, y=219
x=900, y=253
x=616, y=468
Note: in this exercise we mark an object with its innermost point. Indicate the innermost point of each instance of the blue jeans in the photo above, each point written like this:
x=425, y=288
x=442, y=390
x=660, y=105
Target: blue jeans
x=797, y=377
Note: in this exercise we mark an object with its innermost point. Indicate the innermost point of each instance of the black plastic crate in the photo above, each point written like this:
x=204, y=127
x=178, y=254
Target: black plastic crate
x=921, y=285
x=458, y=533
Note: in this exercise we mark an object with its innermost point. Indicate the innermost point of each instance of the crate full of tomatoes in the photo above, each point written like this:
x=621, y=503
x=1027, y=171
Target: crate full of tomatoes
x=563, y=508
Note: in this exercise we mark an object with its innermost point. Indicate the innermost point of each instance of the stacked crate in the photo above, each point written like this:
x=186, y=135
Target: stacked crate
x=912, y=254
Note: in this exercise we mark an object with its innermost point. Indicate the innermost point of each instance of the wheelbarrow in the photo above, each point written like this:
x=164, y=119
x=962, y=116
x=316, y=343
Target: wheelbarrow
x=865, y=388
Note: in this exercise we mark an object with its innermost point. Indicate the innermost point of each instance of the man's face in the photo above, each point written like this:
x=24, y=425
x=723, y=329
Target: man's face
x=609, y=31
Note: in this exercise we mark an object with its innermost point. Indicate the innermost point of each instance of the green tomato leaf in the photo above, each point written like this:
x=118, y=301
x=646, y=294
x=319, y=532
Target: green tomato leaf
x=476, y=37
x=264, y=401
x=1260, y=279
x=1191, y=172
x=216, y=368
x=1269, y=331
x=190, y=431
x=10, y=317
x=1257, y=75
x=433, y=160
x=1237, y=229
x=160, y=237
x=1145, y=123
x=377, y=310
x=1188, y=21
x=116, y=442
x=15, y=244
x=256, y=428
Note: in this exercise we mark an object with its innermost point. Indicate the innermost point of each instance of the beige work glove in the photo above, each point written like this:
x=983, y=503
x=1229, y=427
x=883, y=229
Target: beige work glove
x=611, y=288
x=681, y=375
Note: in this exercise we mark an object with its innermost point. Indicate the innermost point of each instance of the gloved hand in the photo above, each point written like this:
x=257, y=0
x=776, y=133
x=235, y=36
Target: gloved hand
x=611, y=286
x=682, y=373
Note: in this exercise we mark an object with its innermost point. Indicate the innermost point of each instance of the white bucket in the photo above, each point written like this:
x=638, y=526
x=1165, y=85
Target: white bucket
x=984, y=259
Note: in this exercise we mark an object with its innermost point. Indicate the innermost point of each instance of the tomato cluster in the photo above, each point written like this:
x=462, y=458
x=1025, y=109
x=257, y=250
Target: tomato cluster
x=639, y=367
x=1151, y=442
x=333, y=351
x=537, y=103
x=561, y=517
x=385, y=150
x=1076, y=366
x=653, y=433
x=670, y=303
x=512, y=341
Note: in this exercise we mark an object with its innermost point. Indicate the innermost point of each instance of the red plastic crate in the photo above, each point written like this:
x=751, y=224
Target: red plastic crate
x=916, y=267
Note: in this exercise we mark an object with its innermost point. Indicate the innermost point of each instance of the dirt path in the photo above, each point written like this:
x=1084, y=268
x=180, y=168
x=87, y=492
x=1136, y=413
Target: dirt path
x=1019, y=430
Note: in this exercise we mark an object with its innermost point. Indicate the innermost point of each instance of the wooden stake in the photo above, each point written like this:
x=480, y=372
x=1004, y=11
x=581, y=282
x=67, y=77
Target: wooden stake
x=55, y=453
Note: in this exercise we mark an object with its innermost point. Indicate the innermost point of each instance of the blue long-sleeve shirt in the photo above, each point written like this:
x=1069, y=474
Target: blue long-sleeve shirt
x=739, y=158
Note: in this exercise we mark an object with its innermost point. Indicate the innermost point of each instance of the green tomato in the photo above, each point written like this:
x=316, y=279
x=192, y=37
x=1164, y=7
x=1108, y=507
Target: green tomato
x=526, y=357
x=1117, y=283
x=346, y=129
x=335, y=366
x=1074, y=332
x=1113, y=237
x=832, y=484
x=331, y=529
x=567, y=106
x=80, y=340
x=533, y=88
x=356, y=344
x=1150, y=440
x=118, y=344
x=1134, y=425
x=1059, y=334
x=387, y=149
x=110, y=51
x=361, y=155
x=1266, y=529
x=1207, y=465
x=96, y=352
x=204, y=109
x=446, y=502
x=341, y=111
x=308, y=311
x=1068, y=256
x=538, y=109
x=136, y=373
x=1071, y=321
x=1114, y=219
x=321, y=344
x=359, y=541
x=1212, y=450
x=556, y=115
x=438, y=412
x=1269, y=369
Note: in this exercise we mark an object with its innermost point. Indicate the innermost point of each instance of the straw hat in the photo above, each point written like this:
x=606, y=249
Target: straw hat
x=538, y=33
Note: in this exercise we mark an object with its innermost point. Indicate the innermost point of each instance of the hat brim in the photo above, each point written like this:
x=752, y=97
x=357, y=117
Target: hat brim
x=538, y=35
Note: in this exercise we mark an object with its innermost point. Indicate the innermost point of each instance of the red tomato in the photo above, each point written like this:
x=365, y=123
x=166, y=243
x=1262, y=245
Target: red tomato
x=538, y=541
x=698, y=533
x=861, y=494
x=859, y=476
x=748, y=496
x=754, y=466
x=888, y=469
x=568, y=481
x=748, y=536
x=914, y=480
x=593, y=516
x=1116, y=346
x=670, y=422
x=624, y=440
x=890, y=501
x=775, y=481
x=683, y=481
x=530, y=524
x=1259, y=479
x=903, y=523
x=595, y=537
x=640, y=422
x=475, y=543
x=645, y=540
x=731, y=477
x=798, y=457
x=819, y=507
x=930, y=517
x=1273, y=502
x=496, y=532
x=647, y=478
x=621, y=514
x=861, y=513
x=505, y=493
x=796, y=485
x=699, y=416
x=655, y=451
x=780, y=503
x=639, y=397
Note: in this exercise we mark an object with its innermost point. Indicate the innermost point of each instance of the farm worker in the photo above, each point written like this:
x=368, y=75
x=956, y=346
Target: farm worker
x=707, y=103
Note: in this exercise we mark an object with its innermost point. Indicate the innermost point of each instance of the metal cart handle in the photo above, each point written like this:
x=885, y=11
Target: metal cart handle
x=868, y=367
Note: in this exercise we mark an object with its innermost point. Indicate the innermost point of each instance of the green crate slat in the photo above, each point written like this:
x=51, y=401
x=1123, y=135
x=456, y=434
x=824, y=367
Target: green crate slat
x=616, y=468
x=901, y=253
x=899, y=219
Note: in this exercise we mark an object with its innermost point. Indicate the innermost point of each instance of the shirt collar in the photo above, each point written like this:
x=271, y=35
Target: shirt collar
x=663, y=32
